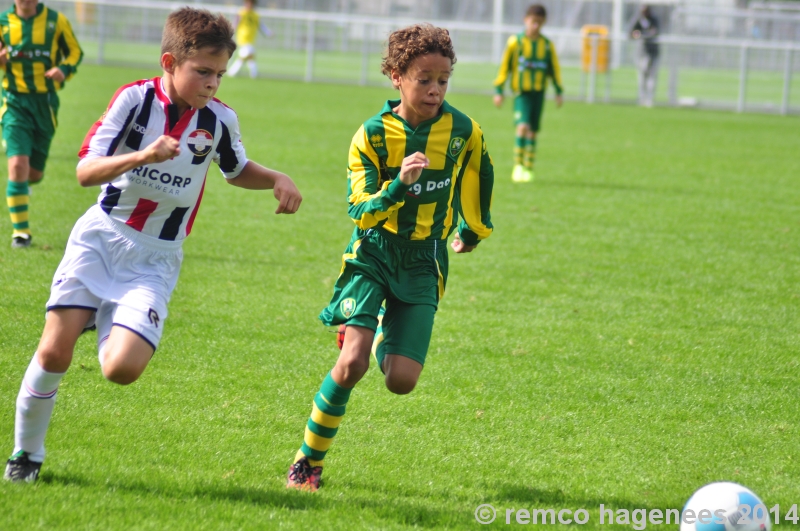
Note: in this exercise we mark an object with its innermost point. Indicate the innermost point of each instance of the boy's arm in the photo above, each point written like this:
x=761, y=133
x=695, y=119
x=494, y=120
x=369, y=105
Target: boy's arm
x=101, y=170
x=368, y=205
x=506, y=65
x=475, y=198
x=256, y=177
x=70, y=50
x=554, y=70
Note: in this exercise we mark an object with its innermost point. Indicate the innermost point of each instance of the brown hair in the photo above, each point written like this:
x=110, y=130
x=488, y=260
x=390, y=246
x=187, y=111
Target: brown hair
x=188, y=30
x=407, y=44
x=536, y=10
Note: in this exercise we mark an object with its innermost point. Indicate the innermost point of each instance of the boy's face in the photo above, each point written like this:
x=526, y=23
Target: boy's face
x=197, y=79
x=533, y=25
x=423, y=86
x=26, y=8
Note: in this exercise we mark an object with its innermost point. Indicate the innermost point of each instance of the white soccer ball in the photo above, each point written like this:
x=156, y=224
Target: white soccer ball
x=725, y=506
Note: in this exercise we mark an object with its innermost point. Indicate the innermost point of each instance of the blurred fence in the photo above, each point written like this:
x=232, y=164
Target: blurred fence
x=711, y=72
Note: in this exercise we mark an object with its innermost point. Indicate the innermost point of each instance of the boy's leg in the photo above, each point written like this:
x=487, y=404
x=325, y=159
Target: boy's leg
x=37, y=394
x=235, y=67
x=251, y=65
x=125, y=356
x=521, y=113
x=407, y=330
x=534, y=121
x=357, y=301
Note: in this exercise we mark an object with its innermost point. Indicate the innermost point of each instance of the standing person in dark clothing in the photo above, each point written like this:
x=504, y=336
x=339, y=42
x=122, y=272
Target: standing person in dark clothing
x=645, y=29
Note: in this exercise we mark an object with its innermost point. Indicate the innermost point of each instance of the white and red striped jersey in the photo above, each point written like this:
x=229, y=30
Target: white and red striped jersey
x=161, y=200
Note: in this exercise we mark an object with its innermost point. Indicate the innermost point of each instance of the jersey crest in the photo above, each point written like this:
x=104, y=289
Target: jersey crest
x=456, y=146
x=200, y=142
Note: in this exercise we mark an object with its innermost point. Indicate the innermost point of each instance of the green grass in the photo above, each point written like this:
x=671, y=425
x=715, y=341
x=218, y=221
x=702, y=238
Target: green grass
x=629, y=334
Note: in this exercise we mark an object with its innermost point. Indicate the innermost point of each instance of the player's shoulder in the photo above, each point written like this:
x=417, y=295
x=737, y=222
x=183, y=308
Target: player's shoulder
x=223, y=111
x=132, y=93
x=463, y=124
x=4, y=15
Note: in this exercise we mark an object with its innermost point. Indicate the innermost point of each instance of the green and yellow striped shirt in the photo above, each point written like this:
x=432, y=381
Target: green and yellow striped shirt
x=458, y=180
x=529, y=63
x=36, y=45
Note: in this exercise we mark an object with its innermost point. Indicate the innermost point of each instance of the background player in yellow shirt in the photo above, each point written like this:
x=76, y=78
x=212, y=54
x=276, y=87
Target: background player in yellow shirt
x=529, y=59
x=247, y=27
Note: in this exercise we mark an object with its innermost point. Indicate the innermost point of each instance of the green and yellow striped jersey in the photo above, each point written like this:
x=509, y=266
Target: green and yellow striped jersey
x=36, y=45
x=529, y=63
x=458, y=180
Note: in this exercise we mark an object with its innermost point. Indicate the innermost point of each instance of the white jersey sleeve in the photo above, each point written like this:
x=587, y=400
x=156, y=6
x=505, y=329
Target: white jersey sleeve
x=105, y=136
x=230, y=155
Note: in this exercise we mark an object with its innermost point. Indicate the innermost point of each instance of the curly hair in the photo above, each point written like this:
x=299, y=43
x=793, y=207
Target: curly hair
x=188, y=30
x=407, y=44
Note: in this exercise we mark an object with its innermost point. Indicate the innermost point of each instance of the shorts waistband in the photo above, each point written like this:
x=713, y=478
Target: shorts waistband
x=134, y=235
x=409, y=244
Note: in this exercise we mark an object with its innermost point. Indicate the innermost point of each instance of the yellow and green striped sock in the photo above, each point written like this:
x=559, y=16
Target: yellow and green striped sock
x=17, y=197
x=326, y=414
x=530, y=154
x=519, y=149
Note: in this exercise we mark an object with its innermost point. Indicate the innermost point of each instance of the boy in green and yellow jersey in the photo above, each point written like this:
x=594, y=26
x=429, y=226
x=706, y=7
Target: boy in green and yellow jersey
x=413, y=169
x=39, y=53
x=529, y=59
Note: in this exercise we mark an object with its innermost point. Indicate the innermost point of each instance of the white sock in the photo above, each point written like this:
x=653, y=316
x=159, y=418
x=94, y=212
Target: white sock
x=251, y=64
x=35, y=402
x=237, y=64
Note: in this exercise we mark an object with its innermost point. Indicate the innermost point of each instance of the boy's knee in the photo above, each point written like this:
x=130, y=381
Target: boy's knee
x=117, y=370
x=401, y=384
x=119, y=374
x=352, y=369
x=54, y=357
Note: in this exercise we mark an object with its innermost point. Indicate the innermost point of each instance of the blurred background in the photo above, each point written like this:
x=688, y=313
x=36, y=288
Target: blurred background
x=727, y=54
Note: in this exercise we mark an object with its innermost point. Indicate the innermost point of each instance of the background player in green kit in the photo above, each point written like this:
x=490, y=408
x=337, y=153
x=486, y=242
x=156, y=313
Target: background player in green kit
x=412, y=170
x=39, y=53
x=529, y=59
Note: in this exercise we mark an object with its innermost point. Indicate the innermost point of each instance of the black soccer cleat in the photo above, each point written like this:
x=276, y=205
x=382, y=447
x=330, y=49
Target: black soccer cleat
x=21, y=242
x=20, y=469
x=303, y=476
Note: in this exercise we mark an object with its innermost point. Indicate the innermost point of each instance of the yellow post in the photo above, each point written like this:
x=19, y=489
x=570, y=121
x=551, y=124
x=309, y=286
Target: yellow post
x=599, y=34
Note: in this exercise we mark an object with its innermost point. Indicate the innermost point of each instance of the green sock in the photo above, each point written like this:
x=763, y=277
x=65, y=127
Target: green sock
x=17, y=195
x=530, y=154
x=519, y=148
x=326, y=414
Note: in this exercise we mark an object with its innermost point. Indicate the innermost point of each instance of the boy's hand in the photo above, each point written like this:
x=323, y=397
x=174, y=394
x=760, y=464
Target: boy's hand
x=459, y=247
x=559, y=100
x=3, y=56
x=55, y=74
x=636, y=34
x=498, y=100
x=412, y=168
x=288, y=196
x=164, y=148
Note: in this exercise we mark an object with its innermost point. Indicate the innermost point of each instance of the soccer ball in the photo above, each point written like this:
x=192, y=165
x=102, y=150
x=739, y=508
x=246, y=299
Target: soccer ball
x=725, y=506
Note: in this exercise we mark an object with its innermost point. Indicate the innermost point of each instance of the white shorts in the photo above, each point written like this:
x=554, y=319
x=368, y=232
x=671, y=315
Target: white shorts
x=246, y=50
x=125, y=276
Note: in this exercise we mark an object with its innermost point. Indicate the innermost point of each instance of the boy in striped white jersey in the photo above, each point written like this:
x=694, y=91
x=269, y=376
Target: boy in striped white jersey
x=150, y=152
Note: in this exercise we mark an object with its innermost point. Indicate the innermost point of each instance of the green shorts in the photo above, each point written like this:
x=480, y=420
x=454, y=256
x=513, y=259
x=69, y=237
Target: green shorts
x=409, y=275
x=528, y=109
x=29, y=123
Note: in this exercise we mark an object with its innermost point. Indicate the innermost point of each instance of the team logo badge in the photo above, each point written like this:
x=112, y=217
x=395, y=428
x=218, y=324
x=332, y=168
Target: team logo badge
x=377, y=140
x=153, y=316
x=456, y=145
x=348, y=307
x=200, y=142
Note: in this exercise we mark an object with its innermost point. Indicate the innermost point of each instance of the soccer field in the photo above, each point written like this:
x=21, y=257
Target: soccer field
x=629, y=333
